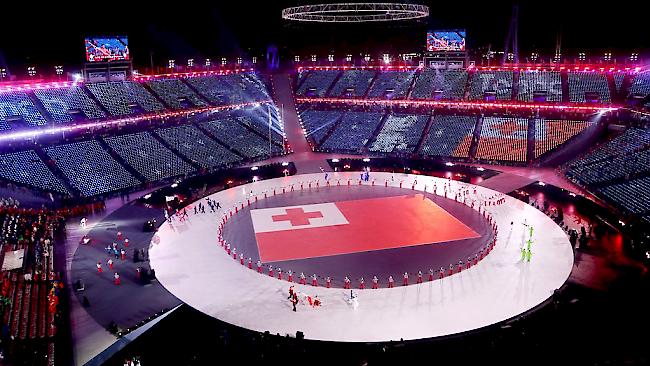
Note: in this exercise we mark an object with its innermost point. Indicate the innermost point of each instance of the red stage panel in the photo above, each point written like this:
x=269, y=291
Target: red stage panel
x=372, y=224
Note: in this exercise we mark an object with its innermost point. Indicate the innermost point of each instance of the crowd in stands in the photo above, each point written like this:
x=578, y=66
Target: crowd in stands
x=176, y=94
x=618, y=170
x=391, y=85
x=89, y=168
x=196, y=145
x=215, y=90
x=449, y=136
x=353, y=83
x=317, y=123
x=624, y=157
x=641, y=85
x=259, y=122
x=400, y=133
x=549, y=134
x=546, y=83
x=62, y=103
x=29, y=294
x=503, y=138
x=486, y=83
x=450, y=84
x=98, y=100
x=353, y=131
x=584, y=86
x=440, y=84
x=317, y=83
x=243, y=140
x=119, y=97
x=148, y=156
x=18, y=104
x=633, y=196
x=25, y=167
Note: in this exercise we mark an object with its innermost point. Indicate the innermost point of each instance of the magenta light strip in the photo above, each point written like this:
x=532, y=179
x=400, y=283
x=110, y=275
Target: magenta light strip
x=523, y=67
x=192, y=74
x=107, y=123
x=429, y=103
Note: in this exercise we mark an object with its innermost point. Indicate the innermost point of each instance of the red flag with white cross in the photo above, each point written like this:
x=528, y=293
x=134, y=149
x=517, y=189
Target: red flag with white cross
x=336, y=228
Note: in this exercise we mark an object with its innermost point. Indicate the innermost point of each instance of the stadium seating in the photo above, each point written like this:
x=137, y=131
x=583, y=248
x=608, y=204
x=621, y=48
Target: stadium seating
x=26, y=313
x=26, y=167
x=60, y=102
x=353, y=83
x=391, y=85
x=440, y=84
x=215, y=89
x=641, y=85
x=485, y=83
x=317, y=123
x=549, y=134
x=259, y=122
x=119, y=96
x=582, y=83
x=624, y=156
x=449, y=136
x=195, y=145
x=230, y=89
x=504, y=139
x=233, y=133
x=317, y=82
x=90, y=169
x=400, y=133
x=148, y=156
x=248, y=85
x=175, y=93
x=619, y=77
x=18, y=104
x=632, y=196
x=353, y=132
x=548, y=83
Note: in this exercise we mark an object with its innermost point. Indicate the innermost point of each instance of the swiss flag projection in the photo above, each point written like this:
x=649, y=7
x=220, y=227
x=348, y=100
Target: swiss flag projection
x=318, y=230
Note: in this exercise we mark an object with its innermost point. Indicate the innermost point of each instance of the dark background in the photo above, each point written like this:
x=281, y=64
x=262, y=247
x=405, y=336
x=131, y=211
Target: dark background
x=52, y=33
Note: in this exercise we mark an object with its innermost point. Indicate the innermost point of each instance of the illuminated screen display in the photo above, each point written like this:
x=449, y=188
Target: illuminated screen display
x=446, y=41
x=102, y=49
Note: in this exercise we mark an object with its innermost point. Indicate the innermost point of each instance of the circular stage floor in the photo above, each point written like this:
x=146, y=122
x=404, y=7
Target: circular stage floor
x=388, y=231
x=191, y=264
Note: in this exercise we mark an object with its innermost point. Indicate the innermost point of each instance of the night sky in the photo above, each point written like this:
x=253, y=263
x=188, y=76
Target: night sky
x=45, y=35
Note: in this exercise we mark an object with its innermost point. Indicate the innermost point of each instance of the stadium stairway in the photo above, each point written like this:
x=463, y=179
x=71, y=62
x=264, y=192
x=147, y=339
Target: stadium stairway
x=409, y=91
x=336, y=80
x=375, y=133
x=283, y=96
x=530, y=141
x=196, y=91
x=303, y=157
x=51, y=165
x=565, y=87
x=39, y=106
x=191, y=162
x=121, y=160
x=515, y=85
x=155, y=95
x=425, y=133
x=211, y=135
x=371, y=85
x=92, y=97
x=476, y=135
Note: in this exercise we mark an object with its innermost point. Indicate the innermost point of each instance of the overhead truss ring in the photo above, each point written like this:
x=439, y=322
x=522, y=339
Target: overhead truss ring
x=355, y=12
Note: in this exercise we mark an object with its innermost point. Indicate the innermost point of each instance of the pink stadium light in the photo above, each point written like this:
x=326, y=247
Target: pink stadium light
x=106, y=123
x=470, y=104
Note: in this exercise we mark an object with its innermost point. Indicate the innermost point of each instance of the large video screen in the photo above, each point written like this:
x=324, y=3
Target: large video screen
x=102, y=49
x=438, y=41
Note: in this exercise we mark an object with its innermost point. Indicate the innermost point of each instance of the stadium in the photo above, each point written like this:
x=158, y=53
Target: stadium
x=341, y=183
